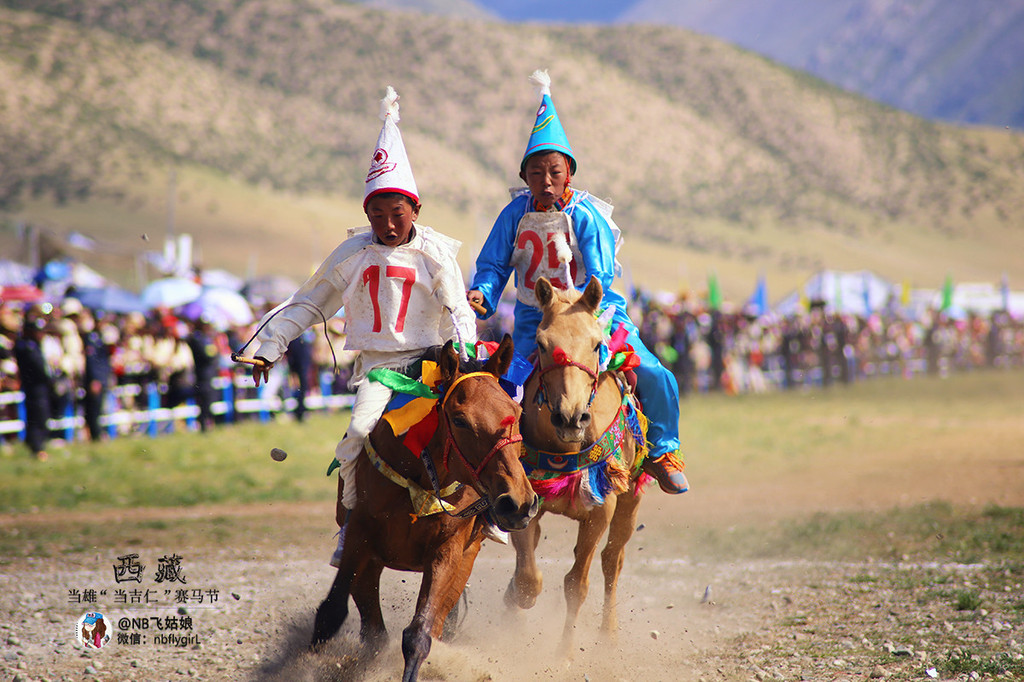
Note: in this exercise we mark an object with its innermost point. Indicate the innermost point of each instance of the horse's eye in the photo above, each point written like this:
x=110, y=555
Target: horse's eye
x=460, y=423
x=597, y=348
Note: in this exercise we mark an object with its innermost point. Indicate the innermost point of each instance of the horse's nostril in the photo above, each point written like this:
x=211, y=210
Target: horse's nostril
x=504, y=506
x=584, y=419
x=558, y=420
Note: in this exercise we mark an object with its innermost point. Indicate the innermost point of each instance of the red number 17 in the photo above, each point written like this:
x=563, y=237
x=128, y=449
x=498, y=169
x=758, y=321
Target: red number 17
x=371, y=277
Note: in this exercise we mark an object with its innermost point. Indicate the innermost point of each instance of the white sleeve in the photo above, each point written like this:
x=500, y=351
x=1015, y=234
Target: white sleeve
x=450, y=291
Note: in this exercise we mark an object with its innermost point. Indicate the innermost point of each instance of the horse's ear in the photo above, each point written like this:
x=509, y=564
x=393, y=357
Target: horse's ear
x=544, y=291
x=501, y=359
x=448, y=362
x=591, y=297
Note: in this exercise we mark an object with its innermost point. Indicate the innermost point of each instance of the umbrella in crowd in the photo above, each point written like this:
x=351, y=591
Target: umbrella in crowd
x=110, y=299
x=170, y=292
x=21, y=292
x=221, y=279
x=271, y=289
x=222, y=307
x=12, y=272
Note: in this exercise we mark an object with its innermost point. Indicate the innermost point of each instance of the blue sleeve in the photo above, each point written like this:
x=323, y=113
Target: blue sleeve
x=596, y=244
x=494, y=263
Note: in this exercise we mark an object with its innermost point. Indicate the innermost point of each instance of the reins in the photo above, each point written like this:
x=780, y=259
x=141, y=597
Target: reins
x=450, y=444
x=562, y=361
x=238, y=357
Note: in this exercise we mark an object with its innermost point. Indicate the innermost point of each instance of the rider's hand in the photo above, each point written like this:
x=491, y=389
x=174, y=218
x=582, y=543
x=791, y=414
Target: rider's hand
x=476, y=300
x=262, y=370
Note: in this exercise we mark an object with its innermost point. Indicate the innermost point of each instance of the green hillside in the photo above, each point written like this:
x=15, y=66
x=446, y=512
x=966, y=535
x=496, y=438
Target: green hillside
x=714, y=157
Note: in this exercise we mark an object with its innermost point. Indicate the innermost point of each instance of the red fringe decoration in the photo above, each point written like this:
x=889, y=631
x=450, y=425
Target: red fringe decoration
x=642, y=481
x=563, y=486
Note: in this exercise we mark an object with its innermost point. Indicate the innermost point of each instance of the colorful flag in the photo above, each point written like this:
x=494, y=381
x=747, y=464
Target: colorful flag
x=758, y=303
x=837, y=293
x=947, y=293
x=905, y=294
x=714, y=292
x=866, y=292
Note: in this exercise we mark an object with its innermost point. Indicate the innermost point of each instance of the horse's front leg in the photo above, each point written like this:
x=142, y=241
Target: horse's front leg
x=437, y=577
x=527, y=581
x=619, y=532
x=456, y=586
x=577, y=580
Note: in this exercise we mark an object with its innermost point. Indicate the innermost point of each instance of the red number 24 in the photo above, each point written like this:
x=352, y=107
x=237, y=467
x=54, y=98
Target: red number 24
x=532, y=239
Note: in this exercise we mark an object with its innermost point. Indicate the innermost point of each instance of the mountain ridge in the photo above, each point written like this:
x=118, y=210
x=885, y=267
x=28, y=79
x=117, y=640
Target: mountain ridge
x=716, y=151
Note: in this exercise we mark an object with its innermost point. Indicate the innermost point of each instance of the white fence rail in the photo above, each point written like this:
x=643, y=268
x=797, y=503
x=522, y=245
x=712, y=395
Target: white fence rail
x=154, y=420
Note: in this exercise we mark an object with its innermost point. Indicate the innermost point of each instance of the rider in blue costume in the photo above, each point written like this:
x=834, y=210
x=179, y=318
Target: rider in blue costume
x=521, y=241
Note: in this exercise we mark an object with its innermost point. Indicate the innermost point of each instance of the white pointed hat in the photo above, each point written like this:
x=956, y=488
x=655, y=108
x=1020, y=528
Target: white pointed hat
x=390, y=170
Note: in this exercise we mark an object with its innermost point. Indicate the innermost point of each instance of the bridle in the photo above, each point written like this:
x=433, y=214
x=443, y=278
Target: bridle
x=452, y=445
x=563, y=360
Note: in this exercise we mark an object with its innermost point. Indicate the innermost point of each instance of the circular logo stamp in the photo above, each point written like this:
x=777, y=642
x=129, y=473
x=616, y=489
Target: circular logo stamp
x=93, y=631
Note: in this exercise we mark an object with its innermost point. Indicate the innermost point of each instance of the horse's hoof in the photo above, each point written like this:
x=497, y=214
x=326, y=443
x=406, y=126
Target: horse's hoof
x=516, y=600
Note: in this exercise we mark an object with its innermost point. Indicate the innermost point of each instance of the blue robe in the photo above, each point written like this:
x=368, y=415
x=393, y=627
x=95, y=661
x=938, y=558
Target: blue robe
x=595, y=240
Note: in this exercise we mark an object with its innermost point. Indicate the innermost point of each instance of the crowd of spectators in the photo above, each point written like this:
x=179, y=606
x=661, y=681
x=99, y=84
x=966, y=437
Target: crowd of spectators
x=710, y=350
x=73, y=363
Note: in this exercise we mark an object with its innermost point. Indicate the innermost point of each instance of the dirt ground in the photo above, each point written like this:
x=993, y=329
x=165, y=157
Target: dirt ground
x=682, y=617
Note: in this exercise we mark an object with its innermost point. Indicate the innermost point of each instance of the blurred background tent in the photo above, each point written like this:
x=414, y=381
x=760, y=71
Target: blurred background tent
x=858, y=293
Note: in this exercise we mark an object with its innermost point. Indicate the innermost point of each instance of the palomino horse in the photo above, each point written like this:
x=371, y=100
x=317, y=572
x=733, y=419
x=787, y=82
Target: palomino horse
x=476, y=444
x=568, y=405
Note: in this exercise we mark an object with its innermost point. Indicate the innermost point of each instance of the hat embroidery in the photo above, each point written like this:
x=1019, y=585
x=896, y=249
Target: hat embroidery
x=543, y=124
x=380, y=164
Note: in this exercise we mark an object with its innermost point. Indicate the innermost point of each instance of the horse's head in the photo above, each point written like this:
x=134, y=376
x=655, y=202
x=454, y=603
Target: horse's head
x=569, y=340
x=480, y=428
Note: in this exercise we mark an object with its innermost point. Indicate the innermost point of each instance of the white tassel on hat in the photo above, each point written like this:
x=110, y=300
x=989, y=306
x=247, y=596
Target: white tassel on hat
x=542, y=80
x=389, y=105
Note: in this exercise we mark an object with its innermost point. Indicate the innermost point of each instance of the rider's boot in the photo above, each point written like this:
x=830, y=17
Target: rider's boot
x=336, y=557
x=667, y=469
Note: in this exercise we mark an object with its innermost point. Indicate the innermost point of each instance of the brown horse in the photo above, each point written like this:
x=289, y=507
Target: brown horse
x=568, y=406
x=476, y=444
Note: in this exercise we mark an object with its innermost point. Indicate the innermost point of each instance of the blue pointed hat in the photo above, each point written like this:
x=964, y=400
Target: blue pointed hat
x=548, y=134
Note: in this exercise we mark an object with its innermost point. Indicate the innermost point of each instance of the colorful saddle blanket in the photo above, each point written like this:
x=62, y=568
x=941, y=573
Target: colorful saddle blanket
x=587, y=477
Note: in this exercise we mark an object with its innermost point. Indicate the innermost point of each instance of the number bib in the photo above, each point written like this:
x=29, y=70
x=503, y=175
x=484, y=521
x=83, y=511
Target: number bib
x=392, y=290
x=536, y=256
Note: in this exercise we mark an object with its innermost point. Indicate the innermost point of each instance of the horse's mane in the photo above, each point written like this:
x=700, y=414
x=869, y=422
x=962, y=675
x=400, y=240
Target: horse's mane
x=471, y=365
